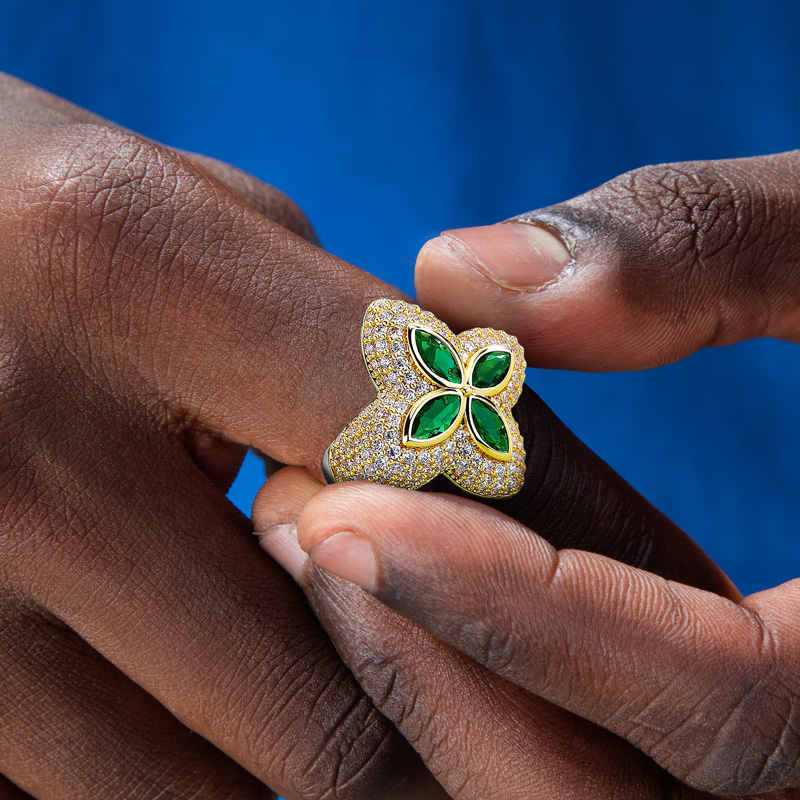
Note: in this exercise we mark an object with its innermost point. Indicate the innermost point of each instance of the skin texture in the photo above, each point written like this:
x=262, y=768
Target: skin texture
x=692, y=694
x=704, y=686
x=154, y=321
x=661, y=261
x=160, y=313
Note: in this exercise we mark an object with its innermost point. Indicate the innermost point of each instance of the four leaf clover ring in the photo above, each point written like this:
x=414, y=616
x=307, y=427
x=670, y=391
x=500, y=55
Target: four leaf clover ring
x=443, y=407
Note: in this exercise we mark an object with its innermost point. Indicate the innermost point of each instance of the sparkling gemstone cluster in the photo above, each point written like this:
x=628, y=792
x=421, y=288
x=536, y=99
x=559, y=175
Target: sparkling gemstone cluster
x=444, y=406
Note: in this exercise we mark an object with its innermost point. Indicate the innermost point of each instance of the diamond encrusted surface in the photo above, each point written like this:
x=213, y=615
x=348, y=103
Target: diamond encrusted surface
x=372, y=446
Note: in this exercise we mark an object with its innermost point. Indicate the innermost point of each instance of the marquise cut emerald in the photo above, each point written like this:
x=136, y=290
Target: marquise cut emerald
x=488, y=425
x=435, y=416
x=491, y=369
x=437, y=356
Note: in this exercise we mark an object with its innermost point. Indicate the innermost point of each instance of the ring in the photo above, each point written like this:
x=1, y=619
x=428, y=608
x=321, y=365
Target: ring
x=443, y=407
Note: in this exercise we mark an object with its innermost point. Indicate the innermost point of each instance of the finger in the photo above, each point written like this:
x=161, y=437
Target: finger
x=242, y=329
x=481, y=736
x=24, y=106
x=641, y=271
x=265, y=199
x=156, y=571
x=704, y=686
x=574, y=499
x=224, y=315
x=72, y=726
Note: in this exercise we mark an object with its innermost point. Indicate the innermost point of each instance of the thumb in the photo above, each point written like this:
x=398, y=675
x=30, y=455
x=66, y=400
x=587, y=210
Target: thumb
x=644, y=270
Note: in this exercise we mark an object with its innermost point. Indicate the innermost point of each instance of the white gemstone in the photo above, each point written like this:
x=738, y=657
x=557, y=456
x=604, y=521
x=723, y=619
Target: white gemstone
x=380, y=346
x=398, y=347
x=381, y=462
x=395, y=451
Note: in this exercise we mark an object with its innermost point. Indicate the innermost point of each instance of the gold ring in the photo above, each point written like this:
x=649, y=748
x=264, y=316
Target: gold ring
x=443, y=407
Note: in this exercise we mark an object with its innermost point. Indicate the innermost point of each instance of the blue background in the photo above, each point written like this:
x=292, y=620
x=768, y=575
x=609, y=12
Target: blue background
x=390, y=122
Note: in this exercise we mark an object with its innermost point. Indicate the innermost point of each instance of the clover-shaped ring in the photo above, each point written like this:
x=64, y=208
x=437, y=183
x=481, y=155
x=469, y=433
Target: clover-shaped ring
x=443, y=407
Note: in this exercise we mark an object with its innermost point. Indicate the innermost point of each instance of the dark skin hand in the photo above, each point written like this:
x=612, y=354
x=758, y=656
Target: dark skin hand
x=160, y=313
x=537, y=654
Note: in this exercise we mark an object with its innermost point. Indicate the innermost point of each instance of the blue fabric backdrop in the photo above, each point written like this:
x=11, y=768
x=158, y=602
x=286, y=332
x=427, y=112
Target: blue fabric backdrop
x=390, y=122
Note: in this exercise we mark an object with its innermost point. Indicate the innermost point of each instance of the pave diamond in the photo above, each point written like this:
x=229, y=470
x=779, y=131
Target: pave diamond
x=377, y=445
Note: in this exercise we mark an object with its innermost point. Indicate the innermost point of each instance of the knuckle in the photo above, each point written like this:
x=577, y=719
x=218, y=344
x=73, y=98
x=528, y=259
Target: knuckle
x=690, y=237
x=400, y=700
x=311, y=732
x=694, y=210
x=67, y=174
x=487, y=643
x=263, y=197
x=98, y=207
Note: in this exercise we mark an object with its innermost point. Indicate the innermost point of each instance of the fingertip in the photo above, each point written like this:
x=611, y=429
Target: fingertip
x=338, y=507
x=349, y=556
x=281, y=499
x=513, y=276
x=510, y=256
x=365, y=508
x=520, y=278
x=280, y=543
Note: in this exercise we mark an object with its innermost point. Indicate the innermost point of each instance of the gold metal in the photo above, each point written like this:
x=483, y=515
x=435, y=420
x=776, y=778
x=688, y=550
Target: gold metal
x=409, y=440
x=471, y=367
x=476, y=437
x=377, y=445
x=420, y=361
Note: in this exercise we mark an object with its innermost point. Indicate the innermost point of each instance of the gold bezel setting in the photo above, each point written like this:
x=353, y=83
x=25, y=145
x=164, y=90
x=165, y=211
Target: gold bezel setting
x=377, y=444
x=410, y=441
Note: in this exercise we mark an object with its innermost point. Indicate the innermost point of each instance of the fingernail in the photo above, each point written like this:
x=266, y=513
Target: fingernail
x=514, y=255
x=280, y=542
x=350, y=557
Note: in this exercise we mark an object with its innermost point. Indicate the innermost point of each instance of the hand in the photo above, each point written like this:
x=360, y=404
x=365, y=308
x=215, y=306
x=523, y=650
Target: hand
x=691, y=694
x=639, y=272
x=158, y=314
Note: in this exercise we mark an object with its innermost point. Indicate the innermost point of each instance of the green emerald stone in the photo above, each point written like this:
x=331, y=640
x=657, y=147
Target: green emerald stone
x=435, y=416
x=491, y=369
x=438, y=356
x=488, y=424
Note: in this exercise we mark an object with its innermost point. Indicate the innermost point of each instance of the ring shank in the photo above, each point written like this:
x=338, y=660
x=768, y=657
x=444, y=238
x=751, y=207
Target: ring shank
x=326, y=467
